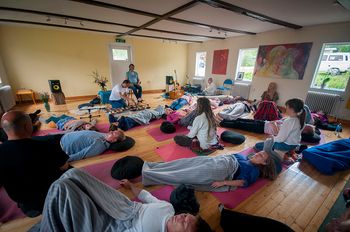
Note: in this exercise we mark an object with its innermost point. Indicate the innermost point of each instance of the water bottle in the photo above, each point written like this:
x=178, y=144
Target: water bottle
x=338, y=129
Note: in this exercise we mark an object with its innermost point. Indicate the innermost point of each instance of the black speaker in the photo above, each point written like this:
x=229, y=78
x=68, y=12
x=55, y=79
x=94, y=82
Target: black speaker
x=55, y=86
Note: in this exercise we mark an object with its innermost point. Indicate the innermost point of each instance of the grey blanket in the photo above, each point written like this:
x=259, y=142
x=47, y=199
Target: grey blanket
x=145, y=116
x=199, y=172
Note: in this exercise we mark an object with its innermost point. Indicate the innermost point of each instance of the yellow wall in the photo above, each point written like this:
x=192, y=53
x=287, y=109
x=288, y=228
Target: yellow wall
x=33, y=55
x=154, y=60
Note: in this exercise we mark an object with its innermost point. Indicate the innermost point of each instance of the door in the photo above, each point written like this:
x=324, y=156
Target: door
x=120, y=56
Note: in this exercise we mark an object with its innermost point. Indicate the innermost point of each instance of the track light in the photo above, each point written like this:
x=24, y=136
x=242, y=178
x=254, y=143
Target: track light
x=81, y=24
x=48, y=19
x=65, y=21
x=210, y=30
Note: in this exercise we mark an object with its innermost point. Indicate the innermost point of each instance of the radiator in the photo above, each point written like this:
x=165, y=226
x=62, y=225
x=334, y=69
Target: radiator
x=241, y=89
x=326, y=102
x=7, y=100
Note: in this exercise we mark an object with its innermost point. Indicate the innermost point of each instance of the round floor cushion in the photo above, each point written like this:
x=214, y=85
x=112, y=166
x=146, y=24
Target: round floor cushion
x=128, y=167
x=232, y=137
x=167, y=127
x=124, y=145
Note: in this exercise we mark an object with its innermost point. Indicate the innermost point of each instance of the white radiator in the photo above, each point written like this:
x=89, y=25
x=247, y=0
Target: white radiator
x=241, y=89
x=7, y=100
x=326, y=102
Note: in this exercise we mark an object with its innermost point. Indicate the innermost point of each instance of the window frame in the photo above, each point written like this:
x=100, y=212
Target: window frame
x=205, y=65
x=239, y=62
x=324, y=90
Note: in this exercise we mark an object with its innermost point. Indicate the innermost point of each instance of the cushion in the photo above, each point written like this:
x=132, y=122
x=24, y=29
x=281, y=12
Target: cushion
x=184, y=200
x=128, y=167
x=124, y=145
x=167, y=127
x=232, y=137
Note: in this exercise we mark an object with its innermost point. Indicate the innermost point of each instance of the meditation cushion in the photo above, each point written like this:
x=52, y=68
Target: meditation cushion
x=124, y=145
x=232, y=137
x=184, y=200
x=167, y=127
x=128, y=167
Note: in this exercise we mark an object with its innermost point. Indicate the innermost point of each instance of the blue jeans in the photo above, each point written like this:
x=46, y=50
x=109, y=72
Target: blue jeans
x=118, y=104
x=276, y=146
x=137, y=89
x=126, y=123
x=178, y=103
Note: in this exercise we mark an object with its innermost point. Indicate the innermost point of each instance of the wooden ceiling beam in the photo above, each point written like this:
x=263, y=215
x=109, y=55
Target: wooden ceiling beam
x=90, y=29
x=144, y=13
x=102, y=22
x=249, y=13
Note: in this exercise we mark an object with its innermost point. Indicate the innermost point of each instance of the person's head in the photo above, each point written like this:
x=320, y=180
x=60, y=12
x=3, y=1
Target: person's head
x=126, y=84
x=295, y=108
x=168, y=111
x=265, y=163
x=203, y=106
x=114, y=136
x=187, y=223
x=210, y=80
x=309, y=129
x=272, y=87
x=131, y=67
x=17, y=125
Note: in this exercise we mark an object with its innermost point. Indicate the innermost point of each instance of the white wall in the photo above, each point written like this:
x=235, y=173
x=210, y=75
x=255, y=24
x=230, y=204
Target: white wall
x=3, y=75
x=287, y=88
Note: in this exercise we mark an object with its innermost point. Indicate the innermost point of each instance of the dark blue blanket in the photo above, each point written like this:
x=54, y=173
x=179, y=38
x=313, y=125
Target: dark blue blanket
x=330, y=157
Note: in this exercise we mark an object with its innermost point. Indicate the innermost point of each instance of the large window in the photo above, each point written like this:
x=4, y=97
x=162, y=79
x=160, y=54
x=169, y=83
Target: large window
x=246, y=63
x=200, y=64
x=120, y=54
x=333, y=70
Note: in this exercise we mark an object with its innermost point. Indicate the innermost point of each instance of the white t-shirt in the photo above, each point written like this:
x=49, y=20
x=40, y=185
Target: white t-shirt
x=200, y=130
x=211, y=88
x=116, y=91
x=290, y=132
x=153, y=215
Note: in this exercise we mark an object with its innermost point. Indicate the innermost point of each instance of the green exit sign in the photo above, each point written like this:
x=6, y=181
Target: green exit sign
x=120, y=40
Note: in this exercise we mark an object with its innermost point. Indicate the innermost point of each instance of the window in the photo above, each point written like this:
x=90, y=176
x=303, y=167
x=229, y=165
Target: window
x=333, y=70
x=120, y=54
x=200, y=64
x=246, y=63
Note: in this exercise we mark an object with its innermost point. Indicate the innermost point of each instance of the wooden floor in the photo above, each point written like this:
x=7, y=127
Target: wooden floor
x=301, y=197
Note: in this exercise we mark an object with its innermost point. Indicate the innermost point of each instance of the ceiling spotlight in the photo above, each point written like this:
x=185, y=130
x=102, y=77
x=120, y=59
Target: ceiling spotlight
x=48, y=19
x=65, y=21
x=219, y=32
x=210, y=30
x=225, y=34
x=81, y=24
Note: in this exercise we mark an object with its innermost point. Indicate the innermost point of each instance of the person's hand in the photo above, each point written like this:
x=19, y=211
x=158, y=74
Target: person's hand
x=218, y=184
x=126, y=184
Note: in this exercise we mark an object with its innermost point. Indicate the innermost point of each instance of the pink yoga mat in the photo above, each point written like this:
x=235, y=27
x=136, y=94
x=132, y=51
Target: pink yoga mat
x=162, y=193
x=102, y=171
x=173, y=151
x=159, y=136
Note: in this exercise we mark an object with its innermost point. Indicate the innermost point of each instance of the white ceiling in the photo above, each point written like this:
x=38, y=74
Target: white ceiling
x=299, y=12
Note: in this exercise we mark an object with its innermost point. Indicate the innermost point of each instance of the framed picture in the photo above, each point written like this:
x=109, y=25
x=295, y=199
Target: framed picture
x=220, y=62
x=240, y=76
x=282, y=61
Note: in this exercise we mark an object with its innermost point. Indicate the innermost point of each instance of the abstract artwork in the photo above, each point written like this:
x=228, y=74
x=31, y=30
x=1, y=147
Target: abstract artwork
x=282, y=61
x=220, y=62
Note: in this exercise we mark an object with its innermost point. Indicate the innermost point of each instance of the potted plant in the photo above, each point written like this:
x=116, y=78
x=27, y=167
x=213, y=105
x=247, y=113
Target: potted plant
x=44, y=97
x=100, y=80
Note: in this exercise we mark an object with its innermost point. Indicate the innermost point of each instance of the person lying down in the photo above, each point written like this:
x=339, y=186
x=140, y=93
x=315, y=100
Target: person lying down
x=218, y=174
